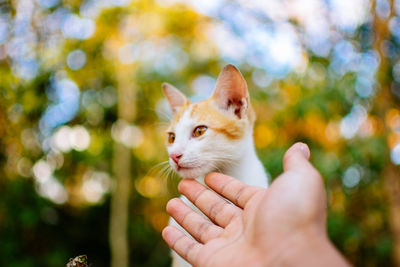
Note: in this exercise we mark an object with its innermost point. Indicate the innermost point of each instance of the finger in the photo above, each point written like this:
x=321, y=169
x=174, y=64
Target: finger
x=186, y=247
x=212, y=205
x=196, y=225
x=296, y=160
x=304, y=178
x=296, y=157
x=231, y=188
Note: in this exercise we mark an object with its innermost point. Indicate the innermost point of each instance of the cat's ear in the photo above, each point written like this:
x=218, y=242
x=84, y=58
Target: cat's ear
x=231, y=91
x=175, y=98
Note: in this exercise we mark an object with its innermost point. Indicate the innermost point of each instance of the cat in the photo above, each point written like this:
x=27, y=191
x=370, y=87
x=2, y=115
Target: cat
x=214, y=135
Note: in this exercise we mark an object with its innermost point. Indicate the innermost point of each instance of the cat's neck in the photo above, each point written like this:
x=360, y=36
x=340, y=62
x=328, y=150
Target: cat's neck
x=247, y=168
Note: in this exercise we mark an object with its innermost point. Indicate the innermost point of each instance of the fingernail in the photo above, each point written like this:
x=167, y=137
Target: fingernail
x=305, y=150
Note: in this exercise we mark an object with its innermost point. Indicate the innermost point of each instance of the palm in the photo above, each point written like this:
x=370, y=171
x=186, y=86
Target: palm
x=225, y=239
x=236, y=227
x=258, y=230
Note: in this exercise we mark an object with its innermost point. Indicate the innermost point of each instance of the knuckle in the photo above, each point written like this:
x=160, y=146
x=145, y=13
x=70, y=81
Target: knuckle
x=227, y=213
x=202, y=231
x=214, y=210
x=239, y=194
x=184, y=217
x=225, y=186
x=188, y=249
x=198, y=195
x=174, y=243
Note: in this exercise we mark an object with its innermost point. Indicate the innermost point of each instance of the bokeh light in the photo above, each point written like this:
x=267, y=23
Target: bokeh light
x=351, y=177
x=76, y=59
x=395, y=154
x=129, y=135
x=95, y=186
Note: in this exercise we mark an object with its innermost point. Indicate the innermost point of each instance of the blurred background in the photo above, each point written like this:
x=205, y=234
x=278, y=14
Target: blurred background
x=82, y=116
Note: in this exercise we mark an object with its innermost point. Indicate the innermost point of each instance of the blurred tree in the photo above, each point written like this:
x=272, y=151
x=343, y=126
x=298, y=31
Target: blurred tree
x=119, y=212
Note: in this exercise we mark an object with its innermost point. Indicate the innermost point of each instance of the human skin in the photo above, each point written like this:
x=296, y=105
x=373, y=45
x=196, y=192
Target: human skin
x=284, y=225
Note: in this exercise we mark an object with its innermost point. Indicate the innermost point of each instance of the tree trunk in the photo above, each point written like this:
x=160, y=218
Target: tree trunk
x=122, y=170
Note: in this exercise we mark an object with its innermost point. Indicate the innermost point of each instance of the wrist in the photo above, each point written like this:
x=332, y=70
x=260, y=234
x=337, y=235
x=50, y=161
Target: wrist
x=308, y=248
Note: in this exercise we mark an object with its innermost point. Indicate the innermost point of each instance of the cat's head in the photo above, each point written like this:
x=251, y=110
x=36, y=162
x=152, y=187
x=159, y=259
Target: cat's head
x=210, y=135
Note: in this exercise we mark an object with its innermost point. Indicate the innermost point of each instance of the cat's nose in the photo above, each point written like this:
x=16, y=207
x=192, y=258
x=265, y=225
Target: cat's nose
x=175, y=157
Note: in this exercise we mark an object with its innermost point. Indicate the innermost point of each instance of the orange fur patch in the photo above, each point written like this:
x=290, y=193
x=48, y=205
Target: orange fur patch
x=229, y=125
x=178, y=115
x=207, y=113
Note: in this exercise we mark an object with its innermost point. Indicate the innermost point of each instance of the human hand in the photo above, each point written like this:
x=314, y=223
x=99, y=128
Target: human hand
x=281, y=225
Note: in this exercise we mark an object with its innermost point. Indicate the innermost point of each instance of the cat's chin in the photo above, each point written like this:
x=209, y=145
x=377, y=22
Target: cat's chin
x=191, y=173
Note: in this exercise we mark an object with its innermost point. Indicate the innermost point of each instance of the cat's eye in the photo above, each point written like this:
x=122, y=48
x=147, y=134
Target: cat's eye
x=171, y=138
x=199, y=131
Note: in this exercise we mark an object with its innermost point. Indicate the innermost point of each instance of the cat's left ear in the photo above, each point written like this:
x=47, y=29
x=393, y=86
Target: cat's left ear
x=231, y=91
x=175, y=98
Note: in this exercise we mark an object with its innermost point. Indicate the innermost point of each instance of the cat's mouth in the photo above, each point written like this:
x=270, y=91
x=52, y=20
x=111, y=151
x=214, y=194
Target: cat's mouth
x=182, y=167
x=189, y=169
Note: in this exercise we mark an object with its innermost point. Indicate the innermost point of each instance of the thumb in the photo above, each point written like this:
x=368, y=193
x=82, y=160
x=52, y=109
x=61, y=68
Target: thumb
x=296, y=157
x=296, y=162
x=302, y=176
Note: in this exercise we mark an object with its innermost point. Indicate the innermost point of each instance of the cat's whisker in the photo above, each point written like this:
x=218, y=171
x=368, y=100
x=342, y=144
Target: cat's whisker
x=170, y=173
x=167, y=171
x=159, y=169
x=164, y=169
x=158, y=166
